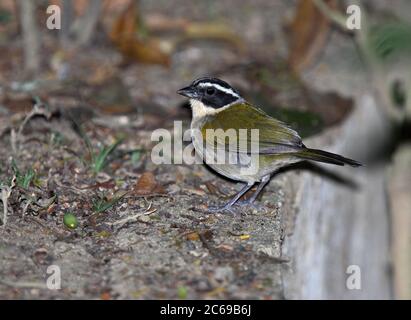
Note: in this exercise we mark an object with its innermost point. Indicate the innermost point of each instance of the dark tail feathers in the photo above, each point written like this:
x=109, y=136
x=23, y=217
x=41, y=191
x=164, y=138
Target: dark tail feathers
x=326, y=157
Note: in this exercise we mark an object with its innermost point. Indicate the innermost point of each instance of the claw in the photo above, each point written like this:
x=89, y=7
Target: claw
x=228, y=208
x=247, y=204
x=244, y=203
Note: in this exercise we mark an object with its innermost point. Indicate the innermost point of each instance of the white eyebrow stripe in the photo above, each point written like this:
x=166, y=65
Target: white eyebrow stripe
x=221, y=88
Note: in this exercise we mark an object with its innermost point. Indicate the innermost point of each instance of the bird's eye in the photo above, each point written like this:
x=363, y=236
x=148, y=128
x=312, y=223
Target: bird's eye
x=210, y=91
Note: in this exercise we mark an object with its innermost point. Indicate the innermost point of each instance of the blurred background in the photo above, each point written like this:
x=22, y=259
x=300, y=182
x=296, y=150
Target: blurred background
x=81, y=95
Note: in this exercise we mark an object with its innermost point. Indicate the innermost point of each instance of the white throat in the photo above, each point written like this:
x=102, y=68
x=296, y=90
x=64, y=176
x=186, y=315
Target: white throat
x=200, y=110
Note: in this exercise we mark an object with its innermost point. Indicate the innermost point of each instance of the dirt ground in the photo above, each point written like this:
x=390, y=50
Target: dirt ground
x=144, y=231
x=159, y=242
x=162, y=245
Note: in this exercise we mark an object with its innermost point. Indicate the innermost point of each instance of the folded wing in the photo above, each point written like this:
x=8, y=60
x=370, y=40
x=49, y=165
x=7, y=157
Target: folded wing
x=246, y=129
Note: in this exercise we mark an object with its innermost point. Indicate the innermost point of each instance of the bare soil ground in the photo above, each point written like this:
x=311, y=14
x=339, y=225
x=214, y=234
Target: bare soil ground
x=144, y=231
x=153, y=246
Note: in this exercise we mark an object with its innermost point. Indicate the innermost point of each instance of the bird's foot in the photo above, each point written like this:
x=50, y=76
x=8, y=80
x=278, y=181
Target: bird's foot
x=216, y=209
x=246, y=204
x=251, y=205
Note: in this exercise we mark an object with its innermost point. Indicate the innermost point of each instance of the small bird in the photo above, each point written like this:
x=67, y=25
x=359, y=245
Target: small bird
x=219, y=107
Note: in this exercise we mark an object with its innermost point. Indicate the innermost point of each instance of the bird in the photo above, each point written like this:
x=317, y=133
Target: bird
x=219, y=108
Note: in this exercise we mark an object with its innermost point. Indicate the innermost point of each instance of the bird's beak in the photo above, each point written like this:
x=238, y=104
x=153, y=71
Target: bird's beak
x=189, y=92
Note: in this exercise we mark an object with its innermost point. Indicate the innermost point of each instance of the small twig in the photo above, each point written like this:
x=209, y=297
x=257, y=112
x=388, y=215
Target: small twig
x=39, y=109
x=72, y=188
x=13, y=140
x=24, y=284
x=333, y=15
x=46, y=227
x=5, y=195
x=26, y=207
x=31, y=35
x=134, y=218
x=85, y=25
x=67, y=20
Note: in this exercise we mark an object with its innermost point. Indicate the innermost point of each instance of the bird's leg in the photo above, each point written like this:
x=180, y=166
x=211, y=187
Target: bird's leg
x=230, y=203
x=263, y=183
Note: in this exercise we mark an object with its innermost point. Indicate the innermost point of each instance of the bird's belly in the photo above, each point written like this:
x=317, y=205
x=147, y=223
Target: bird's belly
x=242, y=167
x=226, y=168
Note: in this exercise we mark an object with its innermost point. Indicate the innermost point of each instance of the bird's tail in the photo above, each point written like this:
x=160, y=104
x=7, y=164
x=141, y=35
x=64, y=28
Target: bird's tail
x=326, y=157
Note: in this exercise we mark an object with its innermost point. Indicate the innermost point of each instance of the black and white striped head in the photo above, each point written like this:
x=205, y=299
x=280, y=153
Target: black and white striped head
x=212, y=92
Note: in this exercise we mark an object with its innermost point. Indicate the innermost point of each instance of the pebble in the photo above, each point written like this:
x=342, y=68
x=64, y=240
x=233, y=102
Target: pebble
x=224, y=274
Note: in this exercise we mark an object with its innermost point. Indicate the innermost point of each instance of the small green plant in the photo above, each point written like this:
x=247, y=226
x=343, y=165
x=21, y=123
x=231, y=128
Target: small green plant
x=56, y=138
x=389, y=38
x=136, y=156
x=23, y=180
x=98, y=159
x=182, y=292
x=101, y=203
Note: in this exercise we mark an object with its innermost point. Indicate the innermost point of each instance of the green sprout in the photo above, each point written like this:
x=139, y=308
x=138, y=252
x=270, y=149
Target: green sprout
x=99, y=161
x=389, y=38
x=23, y=180
x=182, y=292
x=101, y=204
x=135, y=156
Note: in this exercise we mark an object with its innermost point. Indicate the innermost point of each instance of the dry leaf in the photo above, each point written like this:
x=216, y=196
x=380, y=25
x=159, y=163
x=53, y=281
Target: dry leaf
x=213, y=189
x=124, y=36
x=147, y=185
x=17, y=104
x=309, y=30
x=213, y=31
x=160, y=23
x=125, y=25
x=244, y=237
x=105, y=296
x=225, y=247
x=193, y=236
x=148, y=52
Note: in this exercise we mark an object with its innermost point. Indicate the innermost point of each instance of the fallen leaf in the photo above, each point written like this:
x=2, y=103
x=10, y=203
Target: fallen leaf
x=161, y=23
x=103, y=234
x=109, y=184
x=308, y=33
x=124, y=36
x=193, y=236
x=105, y=296
x=146, y=52
x=17, y=104
x=225, y=247
x=216, y=291
x=147, y=185
x=213, y=189
x=196, y=191
x=213, y=31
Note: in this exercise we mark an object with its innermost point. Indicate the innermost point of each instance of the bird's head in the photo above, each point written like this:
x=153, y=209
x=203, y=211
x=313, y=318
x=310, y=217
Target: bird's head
x=211, y=92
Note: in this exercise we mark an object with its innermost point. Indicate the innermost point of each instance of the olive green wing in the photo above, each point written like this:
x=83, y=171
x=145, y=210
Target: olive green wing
x=254, y=130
